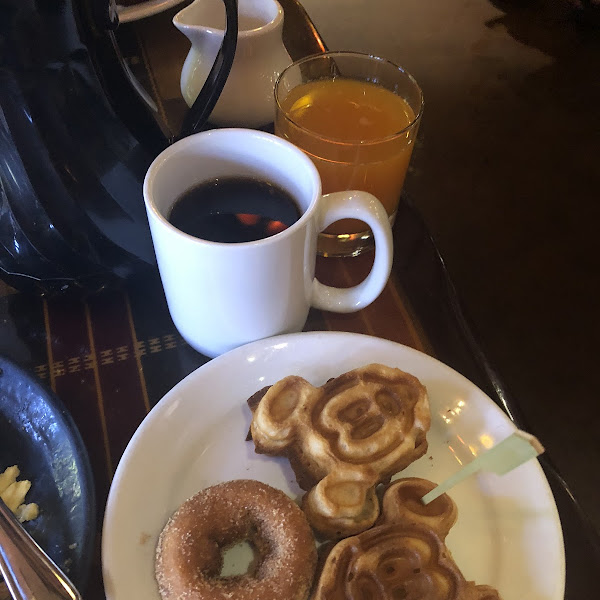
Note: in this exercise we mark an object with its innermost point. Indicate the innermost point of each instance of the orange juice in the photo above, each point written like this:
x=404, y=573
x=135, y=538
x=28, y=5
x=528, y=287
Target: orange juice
x=357, y=133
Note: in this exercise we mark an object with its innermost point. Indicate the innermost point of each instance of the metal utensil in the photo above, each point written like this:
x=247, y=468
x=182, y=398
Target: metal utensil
x=28, y=571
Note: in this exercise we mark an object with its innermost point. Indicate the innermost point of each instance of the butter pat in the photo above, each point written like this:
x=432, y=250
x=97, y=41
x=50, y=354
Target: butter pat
x=13, y=494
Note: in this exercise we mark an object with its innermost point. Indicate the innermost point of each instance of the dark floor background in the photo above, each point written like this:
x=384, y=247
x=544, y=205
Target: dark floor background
x=507, y=176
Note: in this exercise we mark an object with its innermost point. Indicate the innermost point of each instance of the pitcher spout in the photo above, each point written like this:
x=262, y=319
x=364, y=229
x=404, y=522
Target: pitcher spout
x=259, y=58
x=201, y=18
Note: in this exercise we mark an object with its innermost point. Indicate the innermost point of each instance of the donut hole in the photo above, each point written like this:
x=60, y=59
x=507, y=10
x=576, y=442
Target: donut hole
x=239, y=559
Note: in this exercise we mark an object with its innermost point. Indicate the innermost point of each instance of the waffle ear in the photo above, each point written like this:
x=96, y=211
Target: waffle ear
x=481, y=592
x=342, y=503
x=402, y=504
x=274, y=422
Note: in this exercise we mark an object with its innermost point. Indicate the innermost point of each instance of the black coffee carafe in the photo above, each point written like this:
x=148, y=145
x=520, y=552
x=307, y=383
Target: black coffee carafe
x=75, y=143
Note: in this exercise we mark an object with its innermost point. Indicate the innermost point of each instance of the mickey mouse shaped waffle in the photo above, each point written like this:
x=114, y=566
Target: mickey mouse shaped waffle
x=403, y=556
x=342, y=439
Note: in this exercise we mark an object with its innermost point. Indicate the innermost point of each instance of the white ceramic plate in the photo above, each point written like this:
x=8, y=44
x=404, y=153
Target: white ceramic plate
x=135, y=12
x=508, y=534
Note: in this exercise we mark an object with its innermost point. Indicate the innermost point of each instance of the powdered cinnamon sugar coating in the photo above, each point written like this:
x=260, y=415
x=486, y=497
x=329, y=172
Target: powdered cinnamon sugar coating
x=189, y=552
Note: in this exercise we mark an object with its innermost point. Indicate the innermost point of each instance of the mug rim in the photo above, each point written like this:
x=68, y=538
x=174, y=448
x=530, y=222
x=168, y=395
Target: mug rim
x=180, y=145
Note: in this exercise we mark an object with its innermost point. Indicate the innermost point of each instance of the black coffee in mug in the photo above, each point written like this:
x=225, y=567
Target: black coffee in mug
x=234, y=209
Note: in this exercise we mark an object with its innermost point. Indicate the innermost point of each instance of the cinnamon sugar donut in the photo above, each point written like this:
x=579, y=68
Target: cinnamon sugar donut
x=189, y=555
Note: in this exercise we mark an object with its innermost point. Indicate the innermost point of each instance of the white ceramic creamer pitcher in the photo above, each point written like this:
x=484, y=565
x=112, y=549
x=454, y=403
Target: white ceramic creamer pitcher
x=247, y=98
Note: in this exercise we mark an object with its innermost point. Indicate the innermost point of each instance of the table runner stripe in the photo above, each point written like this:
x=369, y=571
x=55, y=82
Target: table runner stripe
x=71, y=369
x=119, y=381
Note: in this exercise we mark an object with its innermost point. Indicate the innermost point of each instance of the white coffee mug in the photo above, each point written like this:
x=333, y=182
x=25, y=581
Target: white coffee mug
x=223, y=295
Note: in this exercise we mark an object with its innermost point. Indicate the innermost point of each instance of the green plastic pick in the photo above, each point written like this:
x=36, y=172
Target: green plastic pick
x=515, y=450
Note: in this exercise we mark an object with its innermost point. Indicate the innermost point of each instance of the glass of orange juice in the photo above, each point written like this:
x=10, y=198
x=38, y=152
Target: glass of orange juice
x=357, y=117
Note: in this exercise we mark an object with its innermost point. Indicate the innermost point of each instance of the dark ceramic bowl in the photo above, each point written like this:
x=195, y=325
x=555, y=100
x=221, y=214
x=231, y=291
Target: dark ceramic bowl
x=38, y=434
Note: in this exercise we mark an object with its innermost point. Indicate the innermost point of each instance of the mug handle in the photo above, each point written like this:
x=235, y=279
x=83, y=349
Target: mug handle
x=367, y=208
